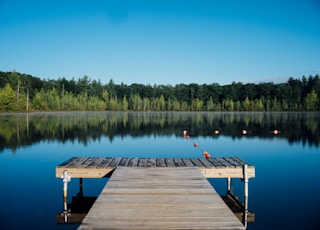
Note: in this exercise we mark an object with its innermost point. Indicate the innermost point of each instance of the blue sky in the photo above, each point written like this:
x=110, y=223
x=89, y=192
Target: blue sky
x=161, y=42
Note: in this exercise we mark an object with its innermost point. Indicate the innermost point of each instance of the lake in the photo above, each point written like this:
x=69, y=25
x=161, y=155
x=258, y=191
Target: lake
x=283, y=195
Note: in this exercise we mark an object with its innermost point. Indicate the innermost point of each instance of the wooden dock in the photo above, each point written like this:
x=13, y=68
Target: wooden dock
x=157, y=193
x=159, y=198
x=96, y=167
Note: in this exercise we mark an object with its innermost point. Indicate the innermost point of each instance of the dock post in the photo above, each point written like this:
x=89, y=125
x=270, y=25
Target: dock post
x=80, y=188
x=246, y=194
x=65, y=178
x=229, y=185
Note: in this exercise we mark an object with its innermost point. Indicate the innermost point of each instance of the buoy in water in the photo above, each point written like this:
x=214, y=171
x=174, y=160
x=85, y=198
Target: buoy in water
x=184, y=132
x=187, y=137
x=195, y=145
x=216, y=132
x=206, y=154
x=275, y=132
x=244, y=132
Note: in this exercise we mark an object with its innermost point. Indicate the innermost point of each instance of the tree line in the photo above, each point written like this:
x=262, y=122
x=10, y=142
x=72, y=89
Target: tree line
x=23, y=92
x=27, y=129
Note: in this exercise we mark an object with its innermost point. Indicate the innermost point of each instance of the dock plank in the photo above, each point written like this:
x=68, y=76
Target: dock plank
x=133, y=162
x=142, y=162
x=97, y=167
x=77, y=162
x=231, y=161
x=224, y=162
x=87, y=162
x=169, y=162
x=178, y=162
x=104, y=163
x=115, y=162
x=123, y=162
x=187, y=162
x=95, y=162
x=160, y=162
x=205, y=162
x=159, y=198
x=215, y=162
x=196, y=162
x=151, y=162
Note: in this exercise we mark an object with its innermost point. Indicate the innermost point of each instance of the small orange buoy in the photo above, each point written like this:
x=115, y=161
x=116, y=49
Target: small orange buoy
x=275, y=132
x=187, y=137
x=216, y=132
x=206, y=154
x=195, y=144
x=244, y=132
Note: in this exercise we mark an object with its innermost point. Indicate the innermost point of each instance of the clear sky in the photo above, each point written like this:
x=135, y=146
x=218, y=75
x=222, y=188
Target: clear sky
x=161, y=42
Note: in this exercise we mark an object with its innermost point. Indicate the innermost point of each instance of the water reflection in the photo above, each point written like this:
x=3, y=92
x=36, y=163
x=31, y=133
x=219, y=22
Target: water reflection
x=81, y=204
x=74, y=212
x=17, y=130
x=238, y=208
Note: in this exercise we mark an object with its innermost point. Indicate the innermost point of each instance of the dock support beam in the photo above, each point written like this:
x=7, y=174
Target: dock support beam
x=246, y=181
x=246, y=194
x=80, y=194
x=229, y=185
x=65, y=178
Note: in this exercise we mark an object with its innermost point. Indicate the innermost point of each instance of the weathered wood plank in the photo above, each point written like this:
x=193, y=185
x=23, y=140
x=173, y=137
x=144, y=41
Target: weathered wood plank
x=87, y=162
x=215, y=162
x=104, y=163
x=159, y=198
x=233, y=161
x=196, y=162
x=169, y=162
x=133, y=162
x=212, y=168
x=178, y=162
x=232, y=172
x=123, y=162
x=85, y=172
x=115, y=162
x=151, y=162
x=142, y=162
x=77, y=162
x=205, y=162
x=96, y=162
x=224, y=162
x=188, y=162
x=160, y=162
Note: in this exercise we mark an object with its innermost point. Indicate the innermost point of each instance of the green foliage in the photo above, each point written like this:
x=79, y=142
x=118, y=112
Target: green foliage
x=125, y=103
x=196, y=104
x=246, y=104
x=7, y=99
x=312, y=101
x=21, y=92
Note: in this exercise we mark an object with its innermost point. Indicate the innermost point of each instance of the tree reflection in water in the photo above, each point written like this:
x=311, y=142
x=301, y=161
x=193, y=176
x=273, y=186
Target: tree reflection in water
x=18, y=130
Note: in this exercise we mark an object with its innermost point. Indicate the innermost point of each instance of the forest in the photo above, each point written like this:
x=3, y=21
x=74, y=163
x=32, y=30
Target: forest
x=26, y=93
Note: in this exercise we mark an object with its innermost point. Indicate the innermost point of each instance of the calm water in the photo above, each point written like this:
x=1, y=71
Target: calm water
x=284, y=194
